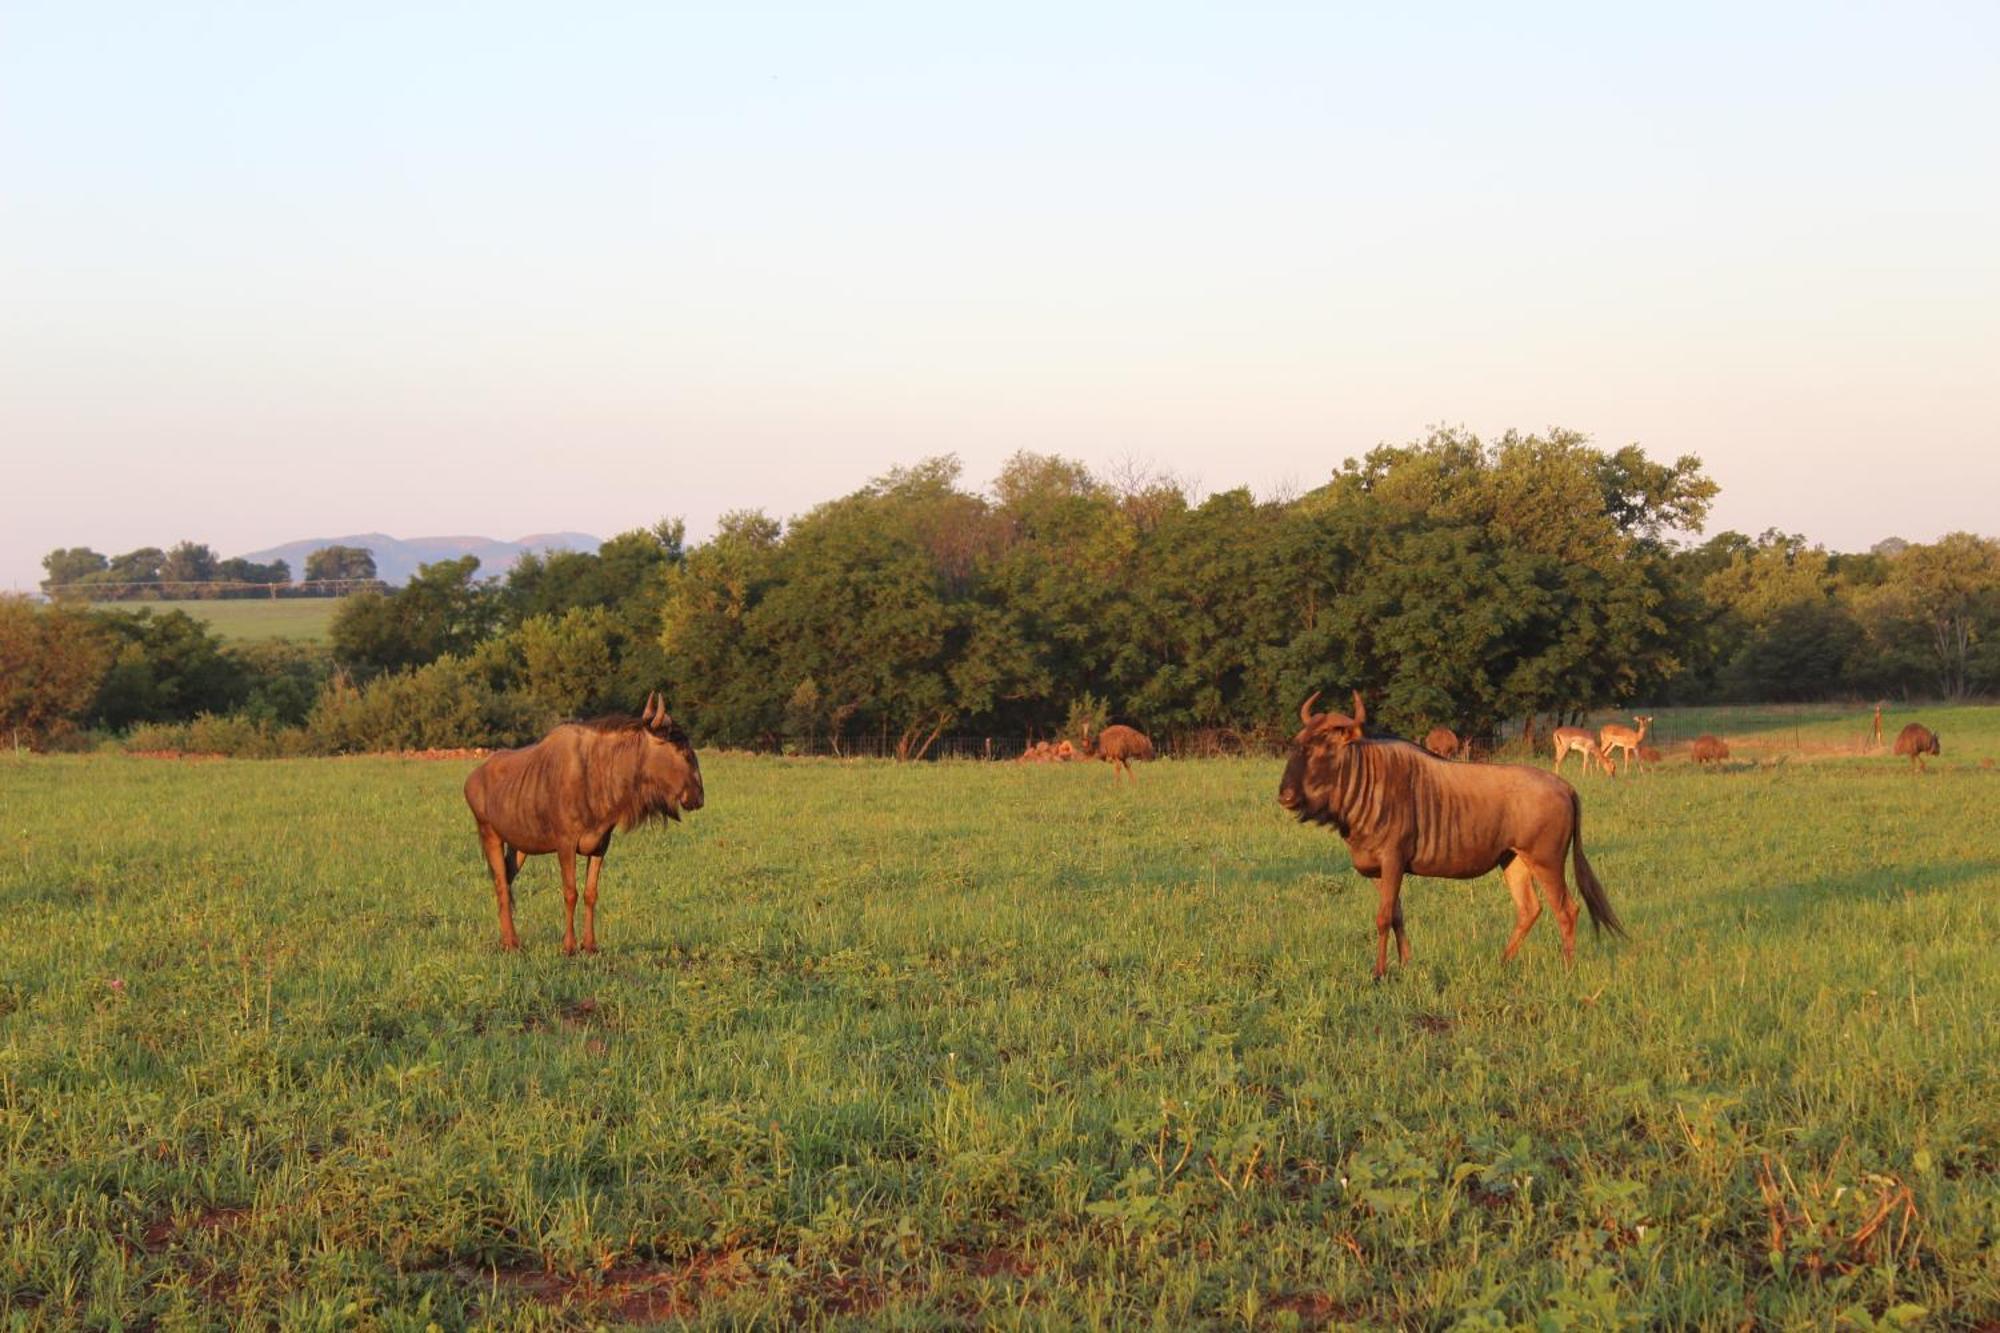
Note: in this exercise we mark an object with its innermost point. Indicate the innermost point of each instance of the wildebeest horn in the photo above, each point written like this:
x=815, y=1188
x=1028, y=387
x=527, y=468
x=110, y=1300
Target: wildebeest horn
x=1360, y=709
x=1306, y=708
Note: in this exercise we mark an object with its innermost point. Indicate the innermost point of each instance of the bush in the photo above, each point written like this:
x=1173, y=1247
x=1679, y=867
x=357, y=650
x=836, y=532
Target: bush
x=284, y=679
x=445, y=705
x=160, y=738
x=243, y=737
x=238, y=735
x=52, y=662
x=167, y=668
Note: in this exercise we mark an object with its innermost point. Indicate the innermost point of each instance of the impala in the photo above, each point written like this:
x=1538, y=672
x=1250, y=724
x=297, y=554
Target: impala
x=1615, y=737
x=1583, y=743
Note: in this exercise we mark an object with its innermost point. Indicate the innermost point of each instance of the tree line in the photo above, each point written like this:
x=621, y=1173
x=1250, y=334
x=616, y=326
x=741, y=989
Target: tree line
x=1481, y=585
x=189, y=571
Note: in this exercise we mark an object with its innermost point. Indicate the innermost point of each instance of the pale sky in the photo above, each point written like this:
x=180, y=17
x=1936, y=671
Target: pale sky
x=274, y=270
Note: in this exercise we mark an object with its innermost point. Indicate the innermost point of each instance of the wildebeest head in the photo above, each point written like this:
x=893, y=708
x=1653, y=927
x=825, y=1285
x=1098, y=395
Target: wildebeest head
x=669, y=760
x=1318, y=753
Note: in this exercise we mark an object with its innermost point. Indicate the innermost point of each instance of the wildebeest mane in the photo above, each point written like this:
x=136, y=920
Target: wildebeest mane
x=1365, y=773
x=609, y=724
x=600, y=774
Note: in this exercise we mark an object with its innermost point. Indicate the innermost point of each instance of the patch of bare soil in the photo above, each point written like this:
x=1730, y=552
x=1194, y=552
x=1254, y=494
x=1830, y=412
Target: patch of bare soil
x=167, y=1234
x=1315, y=1309
x=655, y=1292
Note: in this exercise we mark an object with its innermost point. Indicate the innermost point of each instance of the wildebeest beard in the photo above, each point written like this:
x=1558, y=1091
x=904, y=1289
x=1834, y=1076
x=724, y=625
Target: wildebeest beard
x=1307, y=806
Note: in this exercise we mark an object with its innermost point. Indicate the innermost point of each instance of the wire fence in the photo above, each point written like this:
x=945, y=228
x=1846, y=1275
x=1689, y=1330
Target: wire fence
x=206, y=590
x=1193, y=744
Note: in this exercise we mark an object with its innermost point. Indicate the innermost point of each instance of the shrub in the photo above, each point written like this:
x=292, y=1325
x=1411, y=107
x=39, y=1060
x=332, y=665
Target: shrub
x=52, y=661
x=284, y=679
x=243, y=737
x=447, y=704
x=160, y=737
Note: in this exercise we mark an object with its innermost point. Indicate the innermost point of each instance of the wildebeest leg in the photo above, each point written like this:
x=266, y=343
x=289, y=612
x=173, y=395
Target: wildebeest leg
x=1550, y=873
x=1521, y=884
x=566, y=857
x=1389, y=916
x=500, y=863
x=595, y=864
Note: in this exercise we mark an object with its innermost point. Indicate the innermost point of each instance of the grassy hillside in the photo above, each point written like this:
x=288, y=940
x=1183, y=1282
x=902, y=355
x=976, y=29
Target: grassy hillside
x=958, y=1044
x=304, y=619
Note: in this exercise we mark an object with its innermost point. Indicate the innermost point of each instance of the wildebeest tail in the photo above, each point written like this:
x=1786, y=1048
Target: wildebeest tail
x=1601, y=915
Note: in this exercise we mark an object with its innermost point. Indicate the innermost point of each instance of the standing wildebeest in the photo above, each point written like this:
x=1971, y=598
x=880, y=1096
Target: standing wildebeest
x=1916, y=741
x=1118, y=745
x=568, y=791
x=1442, y=742
x=1405, y=812
x=1579, y=740
x=1709, y=750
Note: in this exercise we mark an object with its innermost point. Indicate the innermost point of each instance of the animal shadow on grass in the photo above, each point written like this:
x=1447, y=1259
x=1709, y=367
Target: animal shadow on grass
x=1881, y=884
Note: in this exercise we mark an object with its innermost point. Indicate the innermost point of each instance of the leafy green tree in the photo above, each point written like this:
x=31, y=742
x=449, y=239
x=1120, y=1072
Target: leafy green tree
x=1199, y=640
x=1787, y=635
x=1052, y=591
x=864, y=608
x=566, y=663
x=188, y=562
x=1934, y=619
x=238, y=570
x=721, y=681
x=330, y=563
x=164, y=668
x=441, y=610
x=445, y=704
x=627, y=579
x=134, y=570
x=52, y=662
x=1482, y=582
x=282, y=680
x=70, y=565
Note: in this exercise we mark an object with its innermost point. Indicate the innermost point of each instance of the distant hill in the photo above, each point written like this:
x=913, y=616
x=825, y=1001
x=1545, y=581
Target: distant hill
x=396, y=558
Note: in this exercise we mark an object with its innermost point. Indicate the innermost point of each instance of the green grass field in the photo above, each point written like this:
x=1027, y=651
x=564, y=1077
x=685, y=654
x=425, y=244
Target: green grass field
x=1773, y=731
x=958, y=1045
x=305, y=619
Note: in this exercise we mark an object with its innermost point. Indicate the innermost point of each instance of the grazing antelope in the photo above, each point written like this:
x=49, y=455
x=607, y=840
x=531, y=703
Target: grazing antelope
x=1583, y=743
x=1442, y=742
x=1615, y=737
